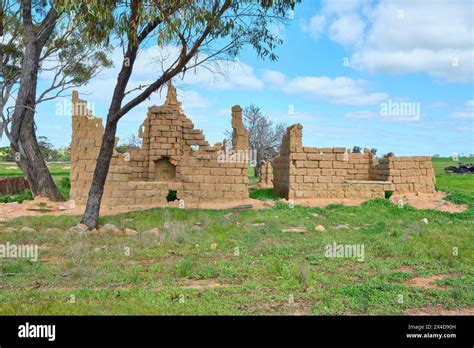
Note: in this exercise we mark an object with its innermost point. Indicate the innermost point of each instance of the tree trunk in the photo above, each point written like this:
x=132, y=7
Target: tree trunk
x=33, y=165
x=256, y=169
x=91, y=214
x=23, y=136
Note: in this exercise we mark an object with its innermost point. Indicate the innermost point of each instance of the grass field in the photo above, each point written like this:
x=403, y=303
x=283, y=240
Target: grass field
x=252, y=266
x=452, y=181
x=55, y=168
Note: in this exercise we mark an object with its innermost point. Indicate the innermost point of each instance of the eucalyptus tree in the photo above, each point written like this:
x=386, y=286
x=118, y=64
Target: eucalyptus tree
x=201, y=31
x=38, y=40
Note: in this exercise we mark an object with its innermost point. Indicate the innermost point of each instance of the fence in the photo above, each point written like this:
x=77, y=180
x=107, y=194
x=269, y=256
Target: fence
x=13, y=185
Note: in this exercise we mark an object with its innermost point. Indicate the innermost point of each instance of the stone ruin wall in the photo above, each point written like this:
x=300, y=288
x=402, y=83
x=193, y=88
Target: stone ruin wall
x=266, y=176
x=308, y=172
x=174, y=157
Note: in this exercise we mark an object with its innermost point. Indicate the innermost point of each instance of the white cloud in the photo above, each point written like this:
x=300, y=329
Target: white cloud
x=347, y=30
x=193, y=100
x=218, y=75
x=399, y=36
x=215, y=75
x=341, y=6
x=338, y=90
x=466, y=112
x=274, y=78
x=224, y=75
x=315, y=26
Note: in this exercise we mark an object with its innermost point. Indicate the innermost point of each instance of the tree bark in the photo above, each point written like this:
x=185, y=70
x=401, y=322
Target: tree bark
x=34, y=166
x=23, y=136
x=256, y=169
x=91, y=214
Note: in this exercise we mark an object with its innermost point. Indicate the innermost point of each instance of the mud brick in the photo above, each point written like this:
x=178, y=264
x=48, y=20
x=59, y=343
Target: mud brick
x=312, y=164
x=329, y=157
x=314, y=157
x=299, y=171
x=311, y=150
x=298, y=156
x=325, y=164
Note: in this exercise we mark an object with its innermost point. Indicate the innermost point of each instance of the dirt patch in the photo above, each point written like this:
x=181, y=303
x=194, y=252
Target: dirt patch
x=439, y=311
x=428, y=282
x=323, y=202
x=202, y=284
x=42, y=206
x=434, y=201
x=404, y=268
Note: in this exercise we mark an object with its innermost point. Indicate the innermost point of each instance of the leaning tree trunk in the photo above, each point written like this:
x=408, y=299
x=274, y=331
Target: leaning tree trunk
x=23, y=136
x=33, y=165
x=91, y=214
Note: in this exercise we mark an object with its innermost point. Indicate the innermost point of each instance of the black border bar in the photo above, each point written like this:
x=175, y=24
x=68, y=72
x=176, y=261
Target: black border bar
x=255, y=330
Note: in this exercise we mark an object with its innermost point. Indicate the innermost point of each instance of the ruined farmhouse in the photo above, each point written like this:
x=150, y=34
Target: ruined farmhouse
x=175, y=160
x=310, y=172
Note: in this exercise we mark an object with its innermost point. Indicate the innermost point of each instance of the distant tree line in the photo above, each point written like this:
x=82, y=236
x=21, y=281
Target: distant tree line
x=48, y=151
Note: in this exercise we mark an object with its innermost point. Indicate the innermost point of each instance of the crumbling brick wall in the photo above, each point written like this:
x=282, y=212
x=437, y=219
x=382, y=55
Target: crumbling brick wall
x=266, y=176
x=407, y=174
x=292, y=142
x=174, y=157
x=308, y=172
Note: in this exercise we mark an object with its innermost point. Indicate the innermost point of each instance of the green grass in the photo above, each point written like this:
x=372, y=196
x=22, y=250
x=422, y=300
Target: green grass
x=442, y=162
x=447, y=182
x=269, y=268
x=264, y=194
x=18, y=197
x=255, y=269
x=59, y=171
x=253, y=180
x=56, y=169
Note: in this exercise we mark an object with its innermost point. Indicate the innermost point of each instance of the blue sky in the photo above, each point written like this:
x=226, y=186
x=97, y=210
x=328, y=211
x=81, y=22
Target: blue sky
x=397, y=51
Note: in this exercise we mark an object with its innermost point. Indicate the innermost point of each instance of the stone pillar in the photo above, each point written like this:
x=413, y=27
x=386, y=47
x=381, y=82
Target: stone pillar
x=240, y=136
x=295, y=138
x=87, y=132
